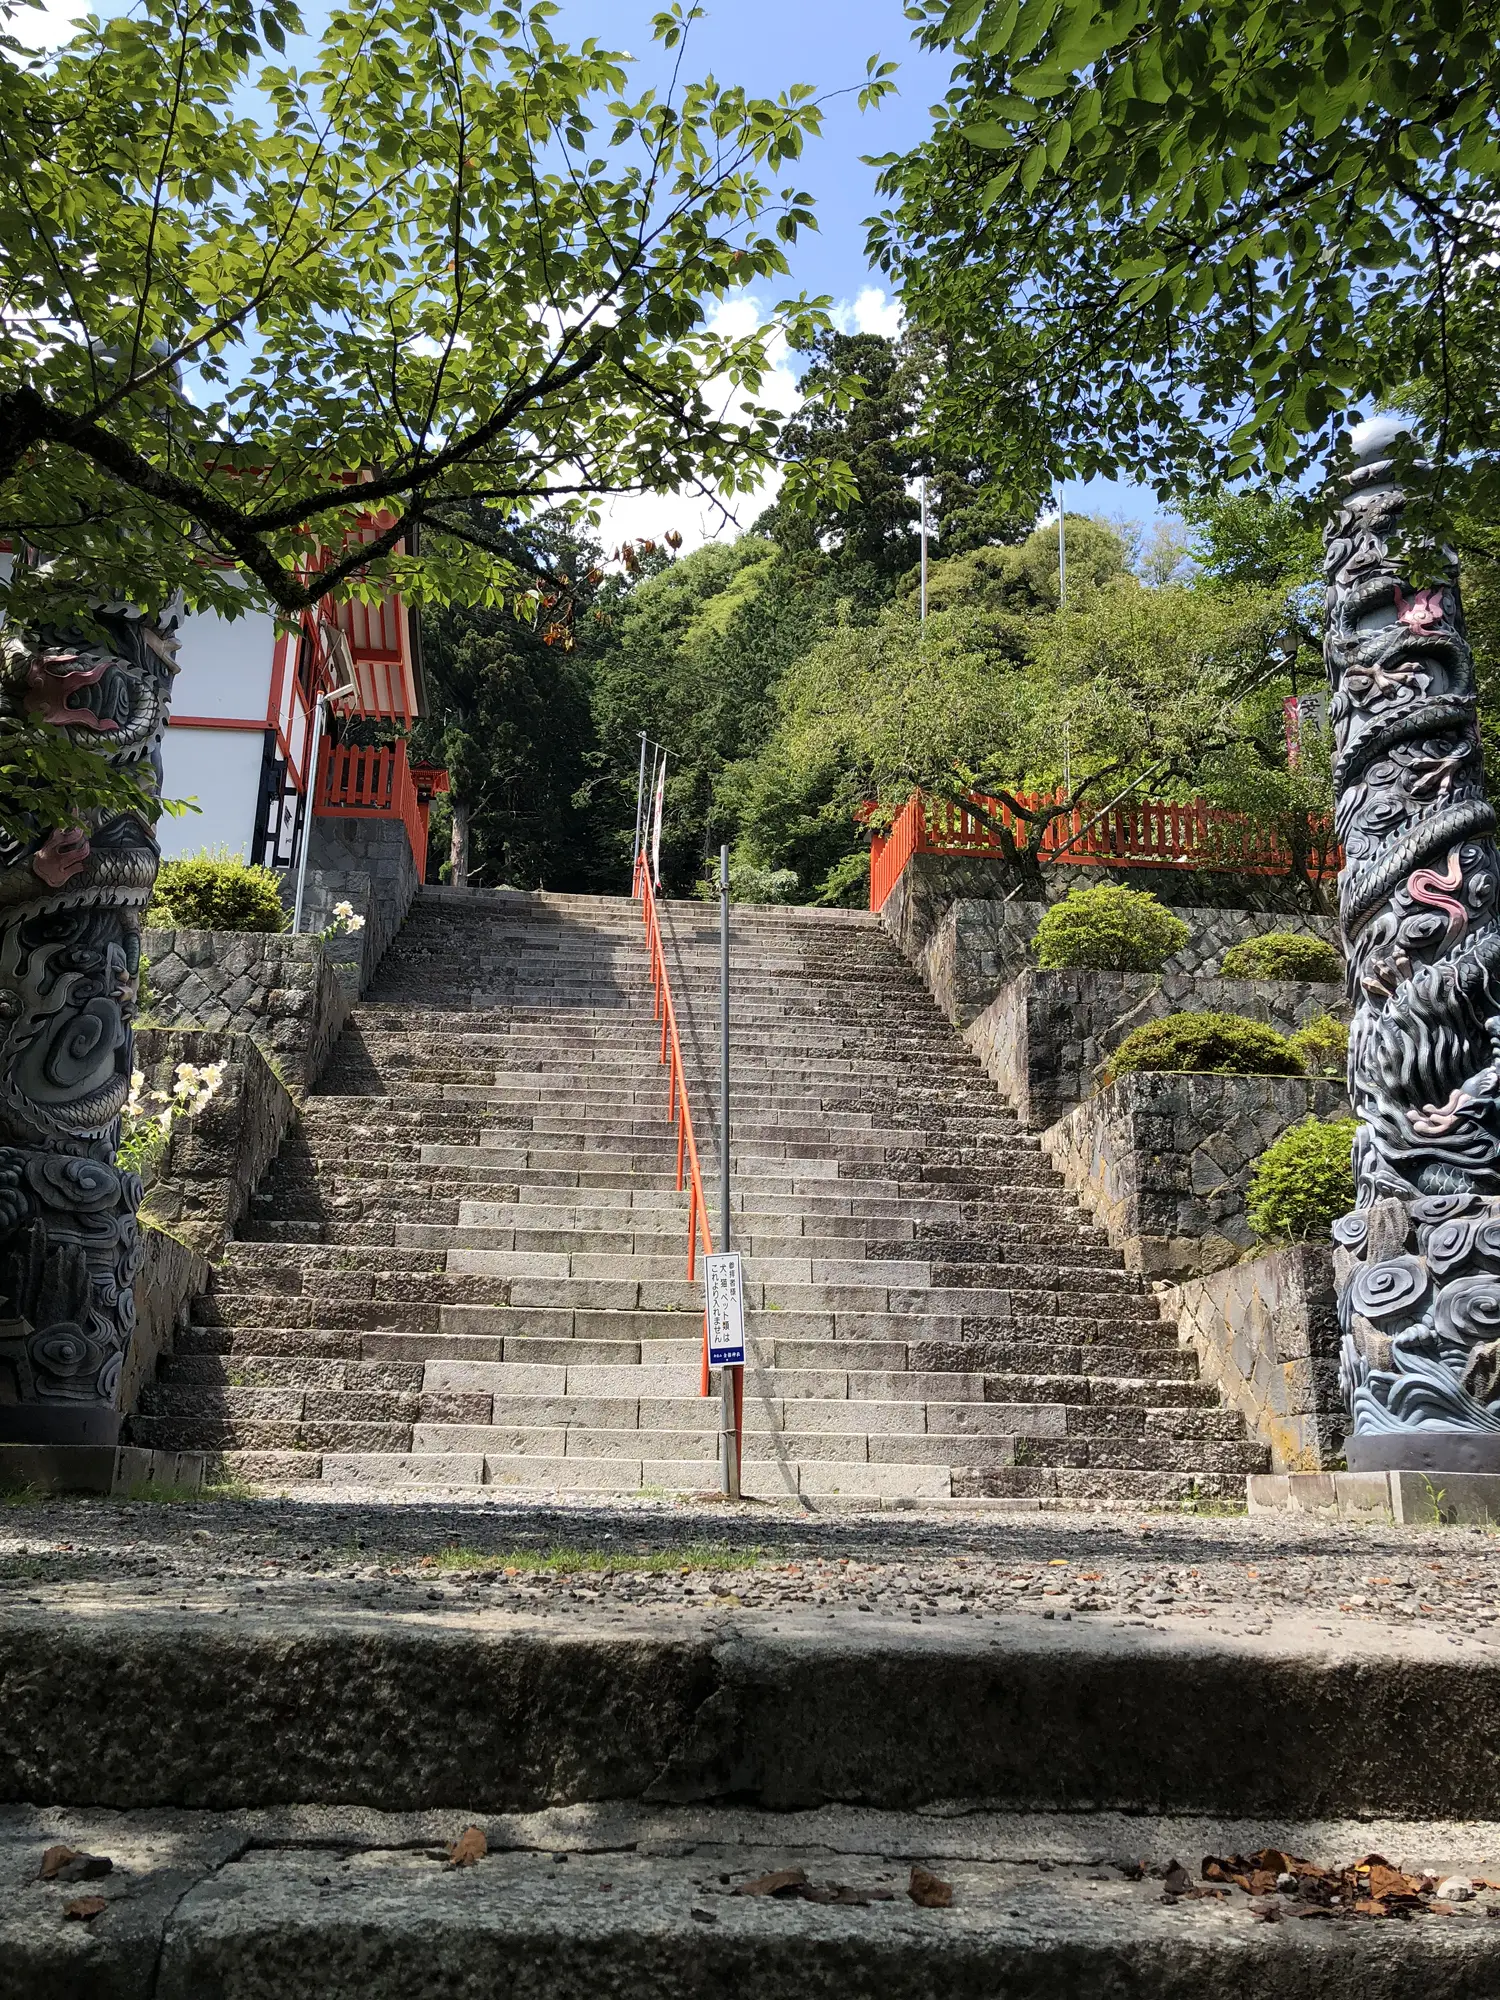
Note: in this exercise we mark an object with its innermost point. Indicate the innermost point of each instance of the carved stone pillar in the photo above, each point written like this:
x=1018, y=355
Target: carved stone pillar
x=71, y=900
x=1418, y=1263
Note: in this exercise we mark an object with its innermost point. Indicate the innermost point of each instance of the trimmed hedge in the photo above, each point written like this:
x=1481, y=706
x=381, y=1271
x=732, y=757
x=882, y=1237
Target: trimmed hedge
x=1282, y=955
x=1323, y=1046
x=1303, y=1183
x=1108, y=929
x=216, y=892
x=1208, y=1044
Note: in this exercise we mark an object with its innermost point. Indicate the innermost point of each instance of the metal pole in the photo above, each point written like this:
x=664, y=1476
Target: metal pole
x=924, y=549
x=640, y=793
x=1062, y=552
x=307, y=813
x=309, y=797
x=729, y=1456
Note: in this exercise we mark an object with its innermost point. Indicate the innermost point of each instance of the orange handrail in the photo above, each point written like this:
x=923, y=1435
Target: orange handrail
x=680, y=1112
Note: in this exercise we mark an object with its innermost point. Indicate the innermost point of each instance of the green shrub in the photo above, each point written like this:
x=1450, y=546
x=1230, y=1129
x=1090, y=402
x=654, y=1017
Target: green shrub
x=1282, y=955
x=1323, y=1045
x=1215, y=1044
x=1108, y=929
x=1303, y=1183
x=216, y=891
x=749, y=883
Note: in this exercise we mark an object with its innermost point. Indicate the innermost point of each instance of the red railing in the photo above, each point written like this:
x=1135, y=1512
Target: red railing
x=680, y=1112
x=358, y=783
x=1148, y=833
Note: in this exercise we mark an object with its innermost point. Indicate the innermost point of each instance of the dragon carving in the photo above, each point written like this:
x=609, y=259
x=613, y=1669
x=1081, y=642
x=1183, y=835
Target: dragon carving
x=1418, y=1262
x=71, y=903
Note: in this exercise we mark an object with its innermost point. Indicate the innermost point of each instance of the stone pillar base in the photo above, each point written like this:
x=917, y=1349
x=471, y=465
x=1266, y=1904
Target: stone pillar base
x=122, y=1469
x=1423, y=1451
x=60, y=1426
x=1408, y=1499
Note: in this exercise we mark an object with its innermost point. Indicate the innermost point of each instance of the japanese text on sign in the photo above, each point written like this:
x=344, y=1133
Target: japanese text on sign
x=725, y=1297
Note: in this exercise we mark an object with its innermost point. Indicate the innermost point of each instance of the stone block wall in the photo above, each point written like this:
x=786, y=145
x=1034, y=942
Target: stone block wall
x=1046, y=1035
x=1163, y=1162
x=1266, y=1335
x=216, y=1158
x=366, y=862
x=202, y=1187
x=975, y=947
x=282, y=991
x=171, y=1276
x=931, y=885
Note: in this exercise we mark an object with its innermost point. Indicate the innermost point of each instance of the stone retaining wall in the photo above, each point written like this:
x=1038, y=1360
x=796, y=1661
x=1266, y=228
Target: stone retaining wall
x=974, y=948
x=171, y=1276
x=1045, y=1036
x=215, y=1159
x=931, y=885
x=1266, y=1335
x=202, y=1187
x=282, y=991
x=366, y=862
x=1163, y=1162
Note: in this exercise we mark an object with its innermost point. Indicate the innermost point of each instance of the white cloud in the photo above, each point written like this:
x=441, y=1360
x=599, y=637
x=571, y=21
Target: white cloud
x=693, y=515
x=52, y=24
x=873, y=311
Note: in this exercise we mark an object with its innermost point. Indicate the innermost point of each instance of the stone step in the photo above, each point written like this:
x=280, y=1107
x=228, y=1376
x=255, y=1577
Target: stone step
x=471, y=1256
x=334, y=1904
x=486, y=1711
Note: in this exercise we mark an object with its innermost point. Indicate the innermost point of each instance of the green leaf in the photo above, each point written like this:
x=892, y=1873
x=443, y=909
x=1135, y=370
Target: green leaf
x=1032, y=166
x=992, y=136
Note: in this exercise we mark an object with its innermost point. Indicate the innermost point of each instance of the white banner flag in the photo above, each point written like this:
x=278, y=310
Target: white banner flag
x=656, y=813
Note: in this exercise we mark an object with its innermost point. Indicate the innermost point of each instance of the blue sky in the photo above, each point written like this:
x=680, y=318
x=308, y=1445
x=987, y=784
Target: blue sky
x=767, y=45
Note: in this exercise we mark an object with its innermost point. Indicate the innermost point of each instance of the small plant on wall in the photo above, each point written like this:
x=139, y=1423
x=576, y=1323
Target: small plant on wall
x=1206, y=1044
x=345, y=923
x=149, y=1115
x=1283, y=955
x=1108, y=929
x=1303, y=1183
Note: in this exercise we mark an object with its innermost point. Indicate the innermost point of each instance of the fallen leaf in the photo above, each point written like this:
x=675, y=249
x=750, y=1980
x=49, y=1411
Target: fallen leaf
x=929, y=1890
x=780, y=1882
x=1258, y=1874
x=71, y=1864
x=83, y=1907
x=468, y=1850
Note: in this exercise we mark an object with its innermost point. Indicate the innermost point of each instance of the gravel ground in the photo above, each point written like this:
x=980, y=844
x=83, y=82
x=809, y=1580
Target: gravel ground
x=1227, y=1574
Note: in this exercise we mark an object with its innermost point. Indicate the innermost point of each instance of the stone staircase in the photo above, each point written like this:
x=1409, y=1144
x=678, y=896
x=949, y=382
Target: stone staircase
x=467, y=1265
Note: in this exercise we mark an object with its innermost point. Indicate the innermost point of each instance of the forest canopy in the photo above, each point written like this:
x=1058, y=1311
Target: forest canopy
x=794, y=683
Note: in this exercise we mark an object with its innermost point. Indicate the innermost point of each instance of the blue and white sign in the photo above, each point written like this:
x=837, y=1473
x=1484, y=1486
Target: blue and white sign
x=724, y=1297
